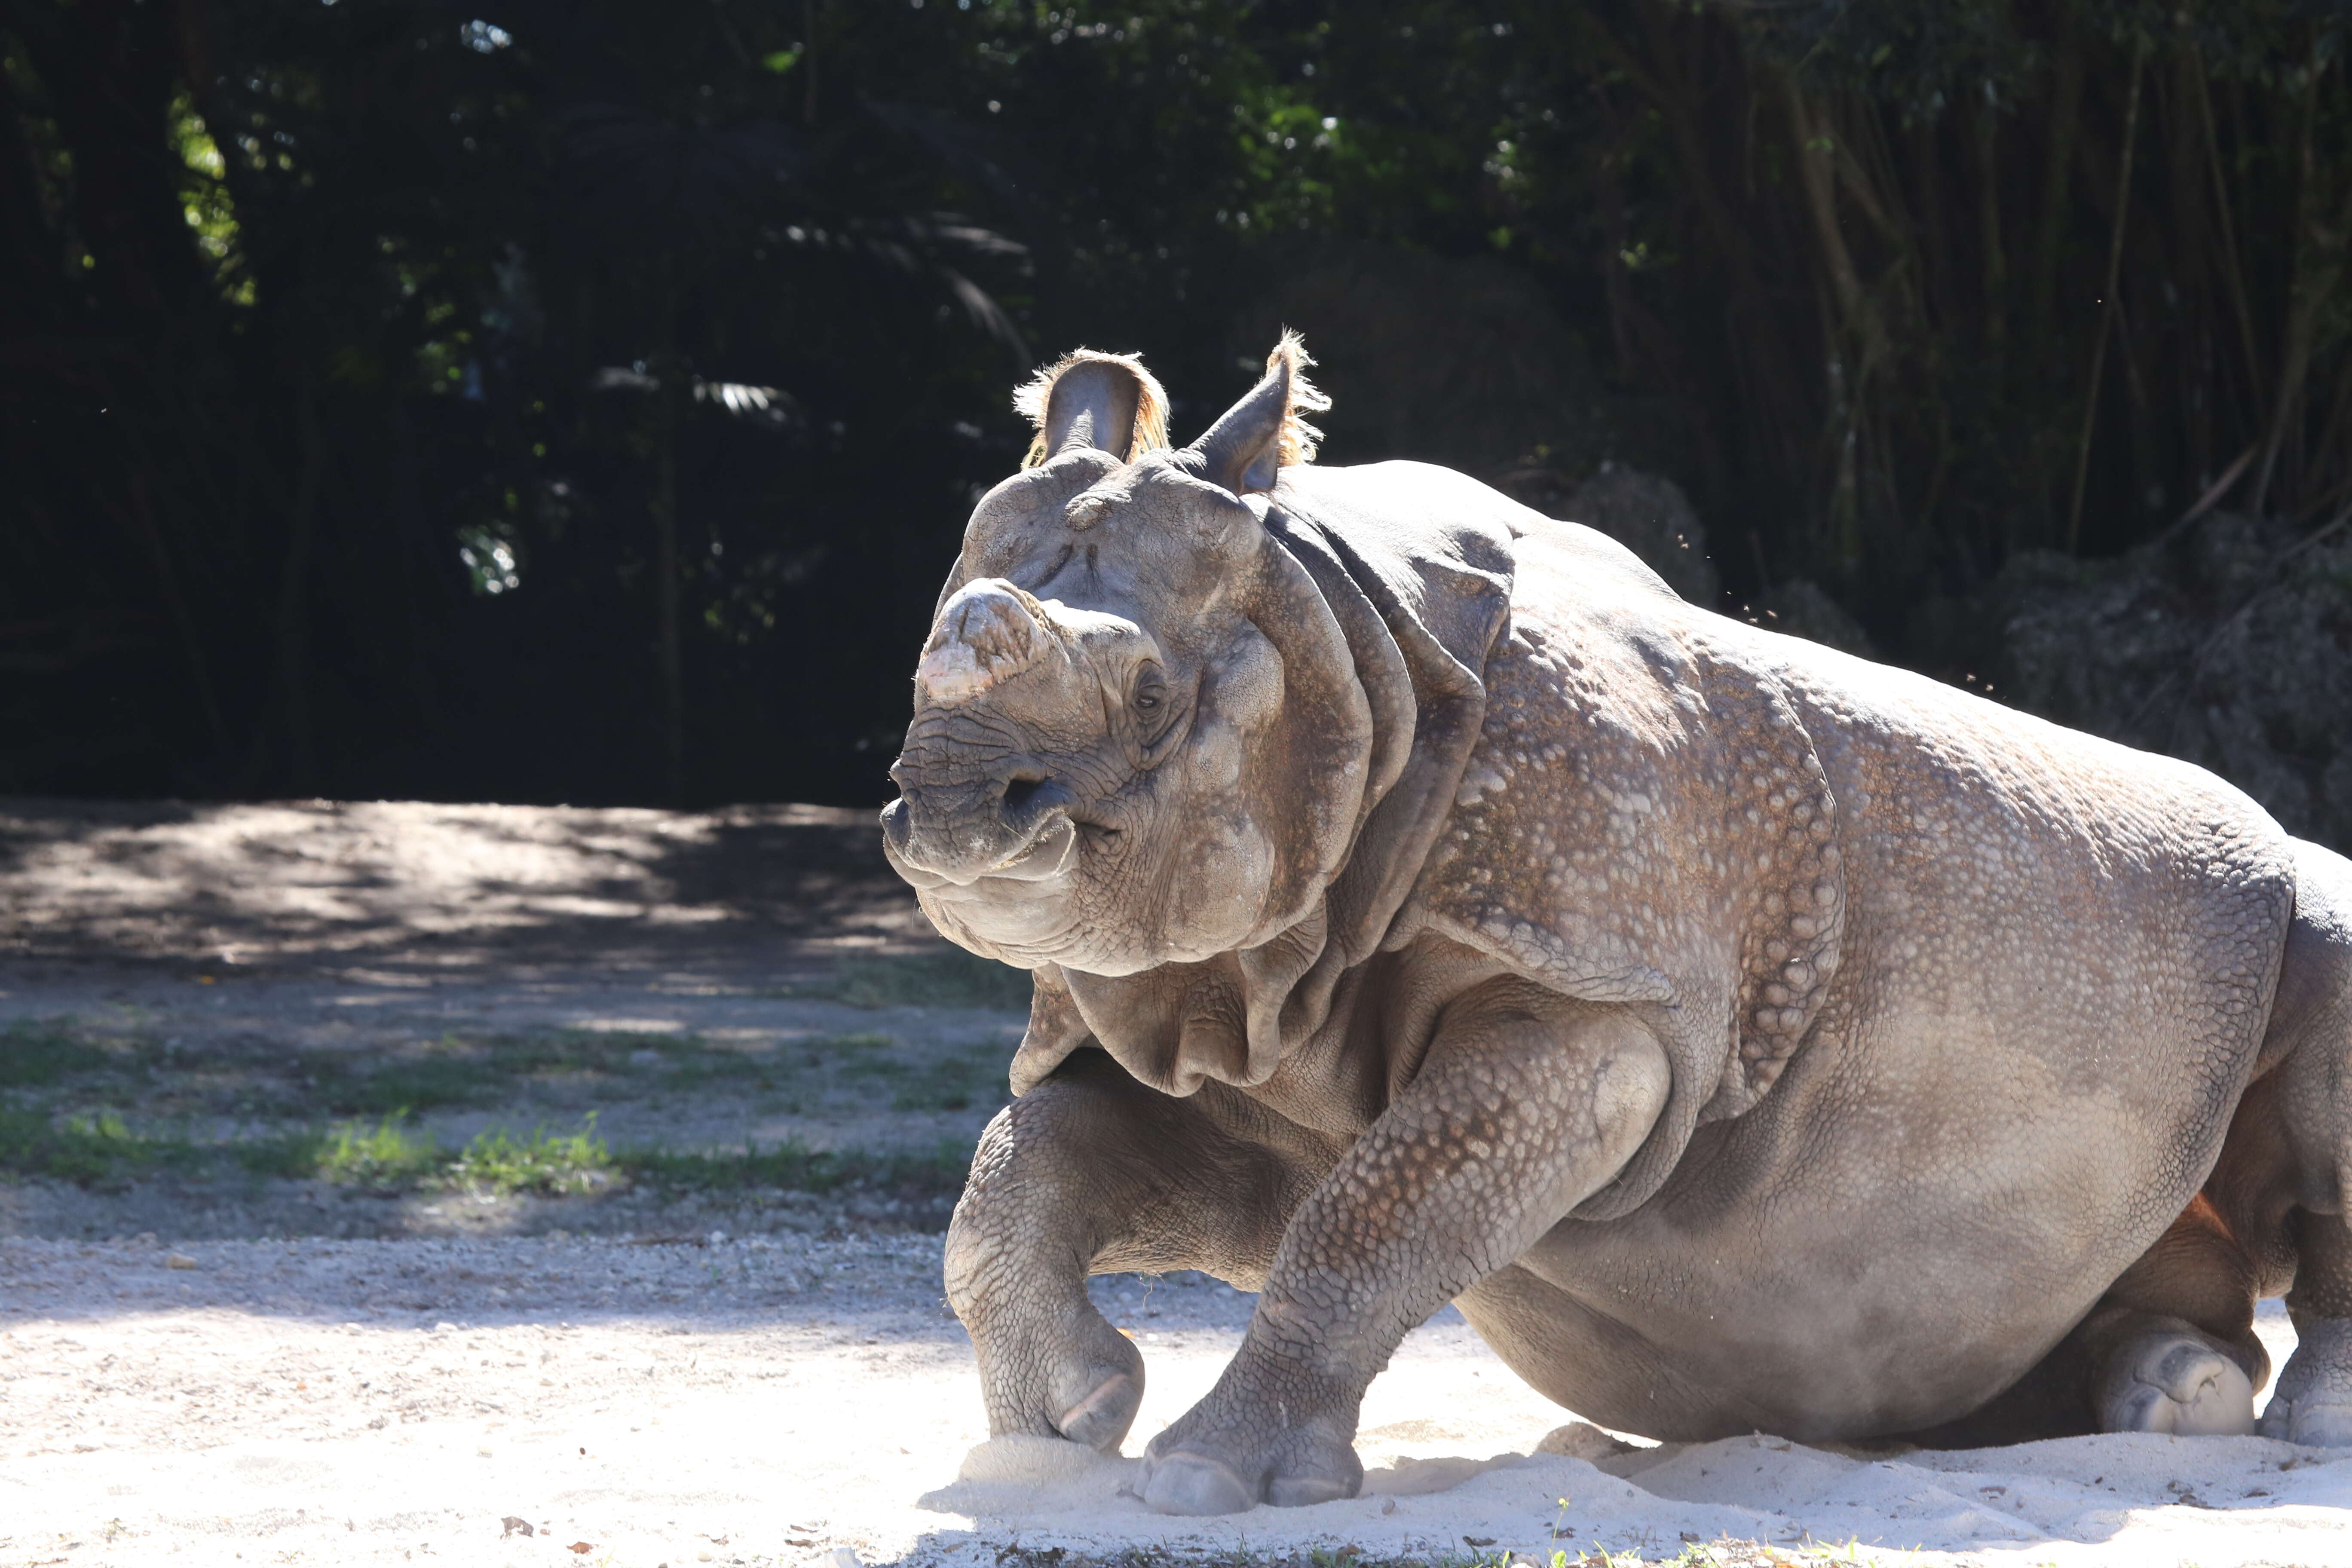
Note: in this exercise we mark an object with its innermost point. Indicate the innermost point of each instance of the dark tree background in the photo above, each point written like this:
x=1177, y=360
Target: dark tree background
x=545, y=400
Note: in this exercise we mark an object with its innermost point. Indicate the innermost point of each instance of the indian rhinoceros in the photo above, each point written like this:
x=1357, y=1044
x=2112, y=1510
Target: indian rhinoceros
x=1426, y=905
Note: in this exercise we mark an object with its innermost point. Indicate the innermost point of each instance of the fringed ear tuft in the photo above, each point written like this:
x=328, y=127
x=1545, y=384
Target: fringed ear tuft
x=1076, y=408
x=1252, y=442
x=1298, y=440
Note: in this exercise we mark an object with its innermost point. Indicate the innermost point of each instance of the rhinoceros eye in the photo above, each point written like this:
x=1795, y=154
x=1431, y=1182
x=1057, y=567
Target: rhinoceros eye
x=1150, y=692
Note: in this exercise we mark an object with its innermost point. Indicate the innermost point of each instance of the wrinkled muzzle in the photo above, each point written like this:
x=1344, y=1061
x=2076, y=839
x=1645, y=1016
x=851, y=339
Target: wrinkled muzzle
x=976, y=799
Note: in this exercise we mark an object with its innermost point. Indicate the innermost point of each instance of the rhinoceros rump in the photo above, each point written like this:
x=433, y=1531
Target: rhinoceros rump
x=1425, y=904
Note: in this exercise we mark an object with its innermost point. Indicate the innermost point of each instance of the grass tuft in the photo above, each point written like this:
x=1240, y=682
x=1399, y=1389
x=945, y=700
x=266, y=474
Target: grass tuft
x=498, y=1162
x=384, y=1158
x=97, y=1147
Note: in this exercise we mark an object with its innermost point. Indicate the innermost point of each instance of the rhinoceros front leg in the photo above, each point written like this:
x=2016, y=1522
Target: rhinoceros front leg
x=1525, y=1104
x=1091, y=1172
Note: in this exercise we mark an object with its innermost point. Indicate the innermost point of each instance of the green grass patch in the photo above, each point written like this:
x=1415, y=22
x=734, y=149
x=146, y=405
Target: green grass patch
x=35, y=1051
x=951, y=979
x=100, y=1148
x=496, y=1161
x=89, y=1149
x=386, y=1157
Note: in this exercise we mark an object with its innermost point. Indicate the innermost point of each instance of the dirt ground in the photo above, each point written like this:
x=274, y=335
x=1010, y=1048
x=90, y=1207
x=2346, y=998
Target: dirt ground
x=239, y=971
x=687, y=1356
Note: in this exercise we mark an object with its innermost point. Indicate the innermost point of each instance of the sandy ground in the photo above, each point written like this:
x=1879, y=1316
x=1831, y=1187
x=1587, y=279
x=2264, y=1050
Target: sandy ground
x=777, y=1400
x=788, y=1385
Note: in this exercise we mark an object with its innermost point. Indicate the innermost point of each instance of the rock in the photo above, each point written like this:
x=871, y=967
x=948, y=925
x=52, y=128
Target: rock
x=2229, y=646
x=1803, y=608
x=181, y=1260
x=1646, y=513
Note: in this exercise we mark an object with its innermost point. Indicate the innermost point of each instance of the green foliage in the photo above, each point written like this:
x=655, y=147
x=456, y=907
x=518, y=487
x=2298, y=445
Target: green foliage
x=643, y=317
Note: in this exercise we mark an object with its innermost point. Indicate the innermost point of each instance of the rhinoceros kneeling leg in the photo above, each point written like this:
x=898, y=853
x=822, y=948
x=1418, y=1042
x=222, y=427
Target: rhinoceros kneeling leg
x=1525, y=1104
x=2166, y=1375
x=1090, y=1173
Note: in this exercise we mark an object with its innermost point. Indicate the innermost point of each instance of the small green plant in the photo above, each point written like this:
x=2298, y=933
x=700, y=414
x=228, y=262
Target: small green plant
x=386, y=1157
x=498, y=1162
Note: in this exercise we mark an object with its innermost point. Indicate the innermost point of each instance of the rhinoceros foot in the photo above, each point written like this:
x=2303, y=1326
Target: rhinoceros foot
x=2177, y=1380
x=2316, y=1422
x=2313, y=1402
x=1194, y=1485
x=1190, y=1470
x=1100, y=1420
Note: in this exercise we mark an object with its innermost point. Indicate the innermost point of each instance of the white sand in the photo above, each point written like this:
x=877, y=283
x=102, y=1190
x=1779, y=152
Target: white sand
x=362, y=1403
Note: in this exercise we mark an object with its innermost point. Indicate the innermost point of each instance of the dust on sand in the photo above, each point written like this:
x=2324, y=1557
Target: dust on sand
x=765, y=1398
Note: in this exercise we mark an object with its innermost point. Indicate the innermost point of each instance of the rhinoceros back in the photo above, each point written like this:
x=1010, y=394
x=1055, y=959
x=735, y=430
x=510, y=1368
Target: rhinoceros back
x=1753, y=837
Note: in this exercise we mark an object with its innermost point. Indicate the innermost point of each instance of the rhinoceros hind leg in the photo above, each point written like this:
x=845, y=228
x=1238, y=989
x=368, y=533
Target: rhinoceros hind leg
x=2307, y=1137
x=2166, y=1376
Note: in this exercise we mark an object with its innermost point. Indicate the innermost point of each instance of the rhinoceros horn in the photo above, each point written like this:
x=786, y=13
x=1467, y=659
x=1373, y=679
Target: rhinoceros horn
x=987, y=631
x=1264, y=433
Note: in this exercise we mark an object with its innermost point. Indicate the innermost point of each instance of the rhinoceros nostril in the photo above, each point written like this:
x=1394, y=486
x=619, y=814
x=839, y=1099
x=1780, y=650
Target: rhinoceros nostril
x=1019, y=791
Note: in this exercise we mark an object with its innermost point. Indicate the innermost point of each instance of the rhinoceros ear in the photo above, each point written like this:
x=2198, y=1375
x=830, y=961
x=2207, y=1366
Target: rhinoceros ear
x=1093, y=399
x=1264, y=433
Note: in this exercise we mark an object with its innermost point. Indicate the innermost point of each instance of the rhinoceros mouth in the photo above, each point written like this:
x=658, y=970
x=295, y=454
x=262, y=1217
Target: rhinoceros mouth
x=1046, y=851
x=1049, y=853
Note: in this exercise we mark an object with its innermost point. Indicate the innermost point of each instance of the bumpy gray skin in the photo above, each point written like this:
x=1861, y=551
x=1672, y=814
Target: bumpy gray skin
x=1426, y=905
